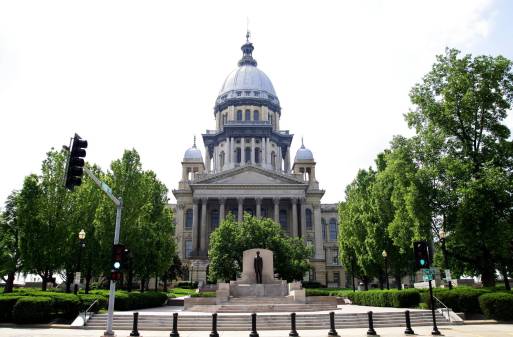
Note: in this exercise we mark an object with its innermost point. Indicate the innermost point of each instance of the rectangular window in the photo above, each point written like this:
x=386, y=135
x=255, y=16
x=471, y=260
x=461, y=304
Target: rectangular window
x=214, y=219
x=188, y=248
x=336, y=278
x=333, y=230
x=283, y=220
x=309, y=220
x=309, y=243
x=334, y=255
x=188, y=219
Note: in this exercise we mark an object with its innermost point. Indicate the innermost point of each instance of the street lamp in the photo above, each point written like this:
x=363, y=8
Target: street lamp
x=385, y=256
x=442, y=235
x=81, y=238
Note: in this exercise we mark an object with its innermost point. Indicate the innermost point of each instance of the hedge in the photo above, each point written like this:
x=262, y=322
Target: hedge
x=386, y=298
x=311, y=284
x=461, y=299
x=6, y=305
x=498, y=306
x=187, y=285
x=204, y=294
x=32, y=309
x=136, y=300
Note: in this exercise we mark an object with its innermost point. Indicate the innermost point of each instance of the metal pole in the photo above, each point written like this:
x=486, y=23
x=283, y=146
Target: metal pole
x=112, y=292
x=254, y=332
x=386, y=272
x=408, y=330
x=371, y=331
x=174, y=332
x=77, y=273
x=135, y=332
x=214, y=326
x=435, y=331
x=293, y=332
x=446, y=262
x=332, y=331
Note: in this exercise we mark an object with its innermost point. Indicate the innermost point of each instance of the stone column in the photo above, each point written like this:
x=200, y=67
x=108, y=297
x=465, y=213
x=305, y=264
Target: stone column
x=303, y=218
x=287, y=160
x=258, y=207
x=229, y=151
x=252, y=150
x=221, y=209
x=240, y=210
x=195, y=229
x=179, y=229
x=268, y=150
x=276, y=209
x=279, y=159
x=263, y=154
x=242, y=151
x=207, y=159
x=318, y=232
x=204, y=229
x=294, y=217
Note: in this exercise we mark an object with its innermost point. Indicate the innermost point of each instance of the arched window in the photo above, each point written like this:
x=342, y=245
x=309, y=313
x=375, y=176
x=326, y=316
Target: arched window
x=256, y=115
x=239, y=115
x=323, y=225
x=188, y=219
x=247, y=154
x=308, y=219
x=238, y=155
x=248, y=115
x=283, y=219
x=257, y=155
x=188, y=248
x=273, y=160
x=224, y=119
x=214, y=219
x=333, y=229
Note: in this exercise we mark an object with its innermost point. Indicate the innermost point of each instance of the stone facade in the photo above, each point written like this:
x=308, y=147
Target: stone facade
x=247, y=167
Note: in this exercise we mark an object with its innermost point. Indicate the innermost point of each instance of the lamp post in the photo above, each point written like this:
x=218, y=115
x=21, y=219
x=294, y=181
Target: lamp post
x=446, y=258
x=385, y=256
x=81, y=239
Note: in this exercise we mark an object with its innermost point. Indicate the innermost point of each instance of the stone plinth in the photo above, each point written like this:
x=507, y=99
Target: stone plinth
x=248, y=270
x=275, y=289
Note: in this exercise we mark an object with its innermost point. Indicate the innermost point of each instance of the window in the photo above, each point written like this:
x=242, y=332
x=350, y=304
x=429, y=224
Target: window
x=221, y=159
x=239, y=115
x=323, y=225
x=248, y=115
x=257, y=155
x=239, y=93
x=188, y=219
x=336, y=278
x=271, y=118
x=283, y=219
x=273, y=160
x=247, y=155
x=334, y=256
x=238, y=154
x=247, y=93
x=256, y=93
x=224, y=119
x=309, y=244
x=333, y=229
x=214, y=219
x=308, y=219
x=188, y=248
x=256, y=115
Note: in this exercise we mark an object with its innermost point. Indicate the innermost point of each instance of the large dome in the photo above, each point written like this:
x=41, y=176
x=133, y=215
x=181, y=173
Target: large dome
x=247, y=85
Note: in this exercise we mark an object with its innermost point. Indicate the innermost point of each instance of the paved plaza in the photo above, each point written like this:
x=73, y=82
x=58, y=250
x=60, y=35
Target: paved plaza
x=488, y=330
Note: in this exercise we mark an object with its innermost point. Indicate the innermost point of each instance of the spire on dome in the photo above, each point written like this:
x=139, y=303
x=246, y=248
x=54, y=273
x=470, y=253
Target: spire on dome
x=247, y=52
x=194, y=144
x=302, y=143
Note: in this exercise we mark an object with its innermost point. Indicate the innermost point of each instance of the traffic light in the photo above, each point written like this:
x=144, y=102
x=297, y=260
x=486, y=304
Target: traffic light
x=118, y=257
x=75, y=167
x=421, y=252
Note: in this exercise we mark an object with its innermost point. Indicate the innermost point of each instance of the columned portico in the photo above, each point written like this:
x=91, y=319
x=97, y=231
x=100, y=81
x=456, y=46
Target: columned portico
x=240, y=210
x=303, y=218
x=204, y=229
x=195, y=229
x=294, y=218
x=276, y=202
x=258, y=207
x=222, y=202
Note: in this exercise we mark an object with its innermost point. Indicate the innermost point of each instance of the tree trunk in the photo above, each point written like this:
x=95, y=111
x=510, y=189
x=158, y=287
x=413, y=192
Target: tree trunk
x=156, y=283
x=129, y=280
x=44, y=280
x=9, y=284
x=504, y=272
x=88, y=279
x=398, y=282
x=488, y=275
x=164, y=279
x=380, y=280
x=142, y=285
x=69, y=281
x=365, y=283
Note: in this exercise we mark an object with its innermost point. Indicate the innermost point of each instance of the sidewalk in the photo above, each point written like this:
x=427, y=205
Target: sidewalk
x=489, y=330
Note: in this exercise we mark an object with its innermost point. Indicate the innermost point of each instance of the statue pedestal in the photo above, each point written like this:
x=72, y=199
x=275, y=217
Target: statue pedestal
x=275, y=289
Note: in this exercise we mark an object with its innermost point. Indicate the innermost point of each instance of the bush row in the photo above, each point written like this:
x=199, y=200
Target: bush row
x=386, y=298
x=497, y=306
x=461, y=299
x=31, y=307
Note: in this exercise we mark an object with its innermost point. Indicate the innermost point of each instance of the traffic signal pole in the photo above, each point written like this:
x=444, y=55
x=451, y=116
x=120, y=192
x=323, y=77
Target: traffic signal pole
x=119, y=206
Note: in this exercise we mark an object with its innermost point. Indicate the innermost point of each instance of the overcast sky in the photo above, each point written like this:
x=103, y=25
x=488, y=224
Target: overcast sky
x=146, y=74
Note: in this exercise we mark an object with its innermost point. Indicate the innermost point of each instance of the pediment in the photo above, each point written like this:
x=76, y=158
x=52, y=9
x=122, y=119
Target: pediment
x=249, y=175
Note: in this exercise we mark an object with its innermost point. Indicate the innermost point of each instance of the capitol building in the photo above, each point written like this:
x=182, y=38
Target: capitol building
x=247, y=166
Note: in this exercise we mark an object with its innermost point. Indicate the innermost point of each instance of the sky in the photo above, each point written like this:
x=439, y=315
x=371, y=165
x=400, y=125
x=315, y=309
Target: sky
x=145, y=74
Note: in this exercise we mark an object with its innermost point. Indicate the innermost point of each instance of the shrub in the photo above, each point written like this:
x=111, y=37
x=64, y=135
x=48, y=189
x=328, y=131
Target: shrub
x=136, y=300
x=311, y=284
x=32, y=309
x=6, y=305
x=65, y=305
x=87, y=299
x=386, y=298
x=462, y=299
x=204, y=294
x=497, y=306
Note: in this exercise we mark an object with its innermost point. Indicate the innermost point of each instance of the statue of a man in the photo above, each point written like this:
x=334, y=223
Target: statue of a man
x=258, y=263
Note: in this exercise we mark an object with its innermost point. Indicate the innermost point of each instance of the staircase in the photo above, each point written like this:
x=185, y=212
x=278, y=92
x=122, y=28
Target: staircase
x=242, y=322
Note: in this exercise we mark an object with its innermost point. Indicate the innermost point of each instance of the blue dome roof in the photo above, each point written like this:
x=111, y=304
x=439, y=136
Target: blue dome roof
x=303, y=153
x=193, y=154
x=247, y=77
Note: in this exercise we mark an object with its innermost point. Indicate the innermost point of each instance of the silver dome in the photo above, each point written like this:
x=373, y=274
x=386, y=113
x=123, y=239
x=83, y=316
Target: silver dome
x=193, y=154
x=303, y=153
x=247, y=77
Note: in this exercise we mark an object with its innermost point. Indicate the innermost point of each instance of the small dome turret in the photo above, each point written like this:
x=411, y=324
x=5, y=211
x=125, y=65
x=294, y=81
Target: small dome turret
x=193, y=153
x=303, y=153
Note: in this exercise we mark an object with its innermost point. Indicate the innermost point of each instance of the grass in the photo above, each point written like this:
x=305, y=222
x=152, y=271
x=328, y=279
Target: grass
x=179, y=292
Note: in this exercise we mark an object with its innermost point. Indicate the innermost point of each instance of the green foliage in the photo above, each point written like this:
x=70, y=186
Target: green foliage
x=204, y=294
x=182, y=291
x=187, y=285
x=231, y=239
x=386, y=298
x=460, y=299
x=311, y=284
x=6, y=305
x=137, y=300
x=30, y=309
x=497, y=306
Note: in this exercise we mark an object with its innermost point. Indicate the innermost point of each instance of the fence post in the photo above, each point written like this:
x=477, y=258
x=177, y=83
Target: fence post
x=293, y=332
x=135, y=332
x=371, y=331
x=254, y=332
x=332, y=332
x=214, y=333
x=174, y=332
x=408, y=330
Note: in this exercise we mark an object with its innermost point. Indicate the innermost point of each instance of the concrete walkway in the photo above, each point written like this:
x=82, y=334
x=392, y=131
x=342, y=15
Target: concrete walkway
x=489, y=330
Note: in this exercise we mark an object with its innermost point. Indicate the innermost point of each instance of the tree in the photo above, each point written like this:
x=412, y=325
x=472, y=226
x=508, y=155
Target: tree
x=231, y=239
x=465, y=151
x=10, y=255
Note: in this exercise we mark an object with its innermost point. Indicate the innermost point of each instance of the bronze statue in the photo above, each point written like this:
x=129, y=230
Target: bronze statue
x=258, y=264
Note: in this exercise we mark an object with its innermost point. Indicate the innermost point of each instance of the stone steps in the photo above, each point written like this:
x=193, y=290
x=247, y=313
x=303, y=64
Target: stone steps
x=264, y=322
